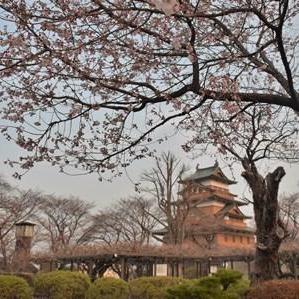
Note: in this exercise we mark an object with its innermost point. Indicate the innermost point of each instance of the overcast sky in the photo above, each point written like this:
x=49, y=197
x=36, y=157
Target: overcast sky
x=48, y=179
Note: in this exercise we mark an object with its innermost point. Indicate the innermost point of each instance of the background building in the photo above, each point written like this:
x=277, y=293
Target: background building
x=214, y=219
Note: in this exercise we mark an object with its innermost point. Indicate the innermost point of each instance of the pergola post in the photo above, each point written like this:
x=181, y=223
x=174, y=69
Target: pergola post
x=197, y=269
x=155, y=268
x=90, y=268
x=295, y=265
x=149, y=268
x=200, y=269
x=180, y=268
x=177, y=269
x=123, y=266
x=172, y=269
x=209, y=265
x=232, y=264
x=183, y=268
x=248, y=267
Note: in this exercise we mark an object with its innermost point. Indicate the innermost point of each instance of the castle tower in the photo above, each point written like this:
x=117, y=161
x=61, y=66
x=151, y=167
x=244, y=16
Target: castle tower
x=214, y=218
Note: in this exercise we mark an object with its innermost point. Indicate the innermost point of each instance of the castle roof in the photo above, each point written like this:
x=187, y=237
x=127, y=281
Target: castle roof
x=232, y=210
x=223, y=199
x=212, y=172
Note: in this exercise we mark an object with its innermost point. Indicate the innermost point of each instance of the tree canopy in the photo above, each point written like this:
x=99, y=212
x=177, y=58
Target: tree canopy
x=92, y=80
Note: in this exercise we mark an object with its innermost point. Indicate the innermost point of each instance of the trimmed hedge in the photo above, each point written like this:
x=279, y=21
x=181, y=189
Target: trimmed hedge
x=275, y=289
x=152, y=287
x=228, y=277
x=108, y=288
x=225, y=284
x=13, y=287
x=61, y=285
x=239, y=288
x=204, y=288
x=26, y=276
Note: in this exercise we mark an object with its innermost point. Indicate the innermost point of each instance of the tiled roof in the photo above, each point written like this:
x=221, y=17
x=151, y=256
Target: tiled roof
x=219, y=198
x=209, y=172
x=226, y=210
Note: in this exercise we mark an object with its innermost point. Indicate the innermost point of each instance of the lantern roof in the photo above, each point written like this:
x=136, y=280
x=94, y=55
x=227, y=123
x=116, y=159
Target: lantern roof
x=23, y=223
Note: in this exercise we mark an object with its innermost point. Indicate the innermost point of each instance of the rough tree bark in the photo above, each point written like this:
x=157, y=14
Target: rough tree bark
x=270, y=230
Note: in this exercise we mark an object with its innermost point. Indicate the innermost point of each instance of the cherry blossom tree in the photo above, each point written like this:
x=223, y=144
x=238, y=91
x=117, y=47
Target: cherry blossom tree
x=256, y=134
x=92, y=80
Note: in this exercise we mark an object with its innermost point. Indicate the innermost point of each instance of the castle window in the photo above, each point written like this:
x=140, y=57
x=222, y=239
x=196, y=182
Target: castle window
x=225, y=238
x=234, y=239
x=241, y=239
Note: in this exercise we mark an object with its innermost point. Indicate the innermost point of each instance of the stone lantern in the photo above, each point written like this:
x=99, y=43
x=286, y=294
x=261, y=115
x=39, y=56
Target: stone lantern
x=24, y=236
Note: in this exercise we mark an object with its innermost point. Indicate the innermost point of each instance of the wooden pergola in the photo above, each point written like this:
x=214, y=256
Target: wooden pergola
x=96, y=260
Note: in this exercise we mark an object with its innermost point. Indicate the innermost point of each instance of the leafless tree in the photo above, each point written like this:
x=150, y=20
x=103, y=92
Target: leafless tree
x=65, y=221
x=161, y=184
x=128, y=221
x=15, y=206
x=289, y=213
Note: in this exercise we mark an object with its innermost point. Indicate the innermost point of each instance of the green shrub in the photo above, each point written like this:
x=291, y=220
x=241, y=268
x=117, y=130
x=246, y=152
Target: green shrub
x=275, y=289
x=240, y=287
x=108, y=288
x=228, y=277
x=209, y=282
x=225, y=284
x=27, y=276
x=204, y=288
x=13, y=287
x=61, y=285
x=152, y=287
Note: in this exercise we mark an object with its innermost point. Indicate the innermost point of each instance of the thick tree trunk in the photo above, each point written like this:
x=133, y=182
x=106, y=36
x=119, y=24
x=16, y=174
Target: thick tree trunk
x=269, y=229
x=266, y=265
x=4, y=255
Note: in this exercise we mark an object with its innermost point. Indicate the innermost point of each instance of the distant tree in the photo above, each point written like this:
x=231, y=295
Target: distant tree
x=129, y=221
x=15, y=206
x=64, y=221
x=161, y=185
x=289, y=213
